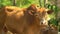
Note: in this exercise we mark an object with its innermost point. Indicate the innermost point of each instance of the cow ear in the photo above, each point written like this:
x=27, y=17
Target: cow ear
x=50, y=11
x=31, y=12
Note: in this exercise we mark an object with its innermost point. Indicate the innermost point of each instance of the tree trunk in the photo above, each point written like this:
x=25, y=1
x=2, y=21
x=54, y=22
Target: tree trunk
x=14, y=2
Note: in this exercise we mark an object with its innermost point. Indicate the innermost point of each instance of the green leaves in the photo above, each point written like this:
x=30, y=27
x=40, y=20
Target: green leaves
x=19, y=3
x=5, y=2
x=54, y=21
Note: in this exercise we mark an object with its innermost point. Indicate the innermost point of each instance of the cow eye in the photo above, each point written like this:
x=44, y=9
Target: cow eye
x=37, y=6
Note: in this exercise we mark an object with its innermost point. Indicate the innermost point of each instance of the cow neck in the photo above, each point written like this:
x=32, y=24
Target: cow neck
x=32, y=20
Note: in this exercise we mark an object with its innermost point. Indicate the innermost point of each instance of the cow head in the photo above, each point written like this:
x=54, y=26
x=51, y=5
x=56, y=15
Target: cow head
x=42, y=15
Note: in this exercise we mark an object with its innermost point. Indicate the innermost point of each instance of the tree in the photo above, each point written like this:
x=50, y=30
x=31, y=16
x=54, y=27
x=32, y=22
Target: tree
x=14, y=2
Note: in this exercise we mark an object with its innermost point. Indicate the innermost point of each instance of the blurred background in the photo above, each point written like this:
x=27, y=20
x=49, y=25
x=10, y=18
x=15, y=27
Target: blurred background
x=50, y=4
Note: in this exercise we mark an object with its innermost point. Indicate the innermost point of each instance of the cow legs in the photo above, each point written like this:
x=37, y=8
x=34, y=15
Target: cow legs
x=6, y=31
x=1, y=28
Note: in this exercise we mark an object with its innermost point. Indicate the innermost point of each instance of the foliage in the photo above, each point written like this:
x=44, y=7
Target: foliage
x=42, y=3
x=19, y=3
x=5, y=2
x=54, y=21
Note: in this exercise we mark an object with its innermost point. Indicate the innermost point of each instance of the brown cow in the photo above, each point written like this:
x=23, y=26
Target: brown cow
x=23, y=21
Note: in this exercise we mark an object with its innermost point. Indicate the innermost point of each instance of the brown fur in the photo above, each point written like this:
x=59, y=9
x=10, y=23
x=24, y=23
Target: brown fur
x=22, y=21
x=2, y=18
